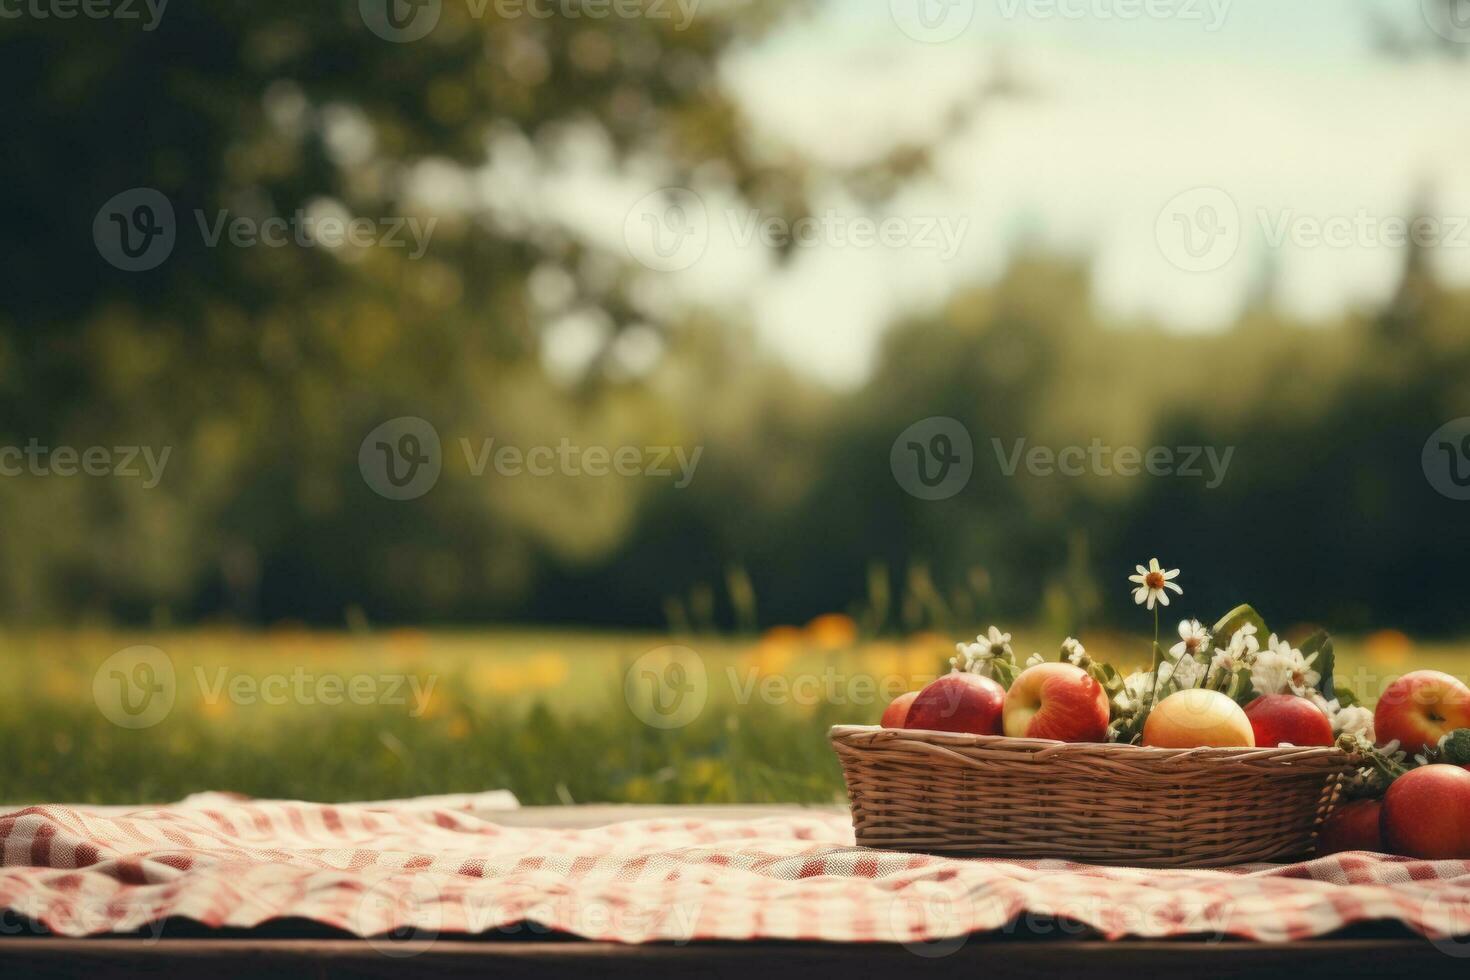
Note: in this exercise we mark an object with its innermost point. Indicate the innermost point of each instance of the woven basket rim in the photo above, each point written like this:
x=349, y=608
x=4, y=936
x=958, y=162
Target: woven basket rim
x=845, y=734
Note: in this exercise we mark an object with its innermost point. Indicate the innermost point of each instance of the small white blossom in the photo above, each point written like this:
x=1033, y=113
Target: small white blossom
x=1074, y=651
x=1136, y=687
x=1035, y=659
x=1281, y=669
x=1193, y=639
x=977, y=657
x=1185, y=673
x=1224, y=661
x=1354, y=720
x=1244, y=644
x=1151, y=582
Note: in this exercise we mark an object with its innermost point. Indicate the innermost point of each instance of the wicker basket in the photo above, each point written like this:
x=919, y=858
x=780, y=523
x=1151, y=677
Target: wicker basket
x=991, y=796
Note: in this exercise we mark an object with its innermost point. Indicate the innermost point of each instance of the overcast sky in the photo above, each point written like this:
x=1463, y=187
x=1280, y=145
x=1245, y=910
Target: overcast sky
x=1182, y=154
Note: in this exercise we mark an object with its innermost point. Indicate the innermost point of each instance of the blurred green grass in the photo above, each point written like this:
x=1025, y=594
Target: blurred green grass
x=541, y=713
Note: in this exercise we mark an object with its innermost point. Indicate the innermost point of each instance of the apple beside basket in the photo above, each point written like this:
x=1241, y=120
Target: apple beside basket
x=1095, y=802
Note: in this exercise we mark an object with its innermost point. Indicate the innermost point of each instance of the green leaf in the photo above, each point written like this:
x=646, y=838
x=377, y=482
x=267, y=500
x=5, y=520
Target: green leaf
x=1005, y=672
x=1320, y=643
x=1234, y=620
x=1345, y=698
x=1108, y=677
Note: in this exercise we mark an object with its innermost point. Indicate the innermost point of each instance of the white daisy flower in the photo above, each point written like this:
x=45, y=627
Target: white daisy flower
x=1075, y=652
x=1244, y=644
x=1193, y=639
x=1152, y=582
x=976, y=658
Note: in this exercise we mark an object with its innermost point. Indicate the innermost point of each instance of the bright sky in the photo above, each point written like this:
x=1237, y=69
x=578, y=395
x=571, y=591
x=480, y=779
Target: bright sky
x=1311, y=147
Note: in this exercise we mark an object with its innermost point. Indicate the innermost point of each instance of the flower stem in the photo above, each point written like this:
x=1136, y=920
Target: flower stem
x=1155, y=656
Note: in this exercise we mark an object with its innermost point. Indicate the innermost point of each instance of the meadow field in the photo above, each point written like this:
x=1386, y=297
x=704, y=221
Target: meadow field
x=555, y=717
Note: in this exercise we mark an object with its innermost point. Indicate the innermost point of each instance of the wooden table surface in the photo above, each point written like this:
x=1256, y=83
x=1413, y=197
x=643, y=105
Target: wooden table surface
x=291, y=949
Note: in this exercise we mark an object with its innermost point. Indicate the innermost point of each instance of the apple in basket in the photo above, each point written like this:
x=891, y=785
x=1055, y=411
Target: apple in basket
x=1420, y=708
x=958, y=702
x=898, y=710
x=1057, y=701
x=1352, y=827
x=1195, y=718
x=1426, y=813
x=1278, y=719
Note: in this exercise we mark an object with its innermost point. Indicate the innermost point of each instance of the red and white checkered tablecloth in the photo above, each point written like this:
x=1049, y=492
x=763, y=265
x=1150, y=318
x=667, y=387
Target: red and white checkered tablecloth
x=448, y=867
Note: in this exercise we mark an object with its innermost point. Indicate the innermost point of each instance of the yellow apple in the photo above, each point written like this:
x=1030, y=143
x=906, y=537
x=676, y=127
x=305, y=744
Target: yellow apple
x=1197, y=717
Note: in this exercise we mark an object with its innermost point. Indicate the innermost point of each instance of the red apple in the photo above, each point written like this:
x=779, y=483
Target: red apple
x=958, y=702
x=1057, y=701
x=1278, y=718
x=1352, y=827
x=898, y=710
x=1420, y=708
x=1426, y=813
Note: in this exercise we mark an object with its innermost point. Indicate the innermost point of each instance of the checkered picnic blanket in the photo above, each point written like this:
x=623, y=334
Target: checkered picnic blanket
x=419, y=869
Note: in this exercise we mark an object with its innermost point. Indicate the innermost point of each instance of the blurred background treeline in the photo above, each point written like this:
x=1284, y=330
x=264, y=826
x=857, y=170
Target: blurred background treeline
x=264, y=368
